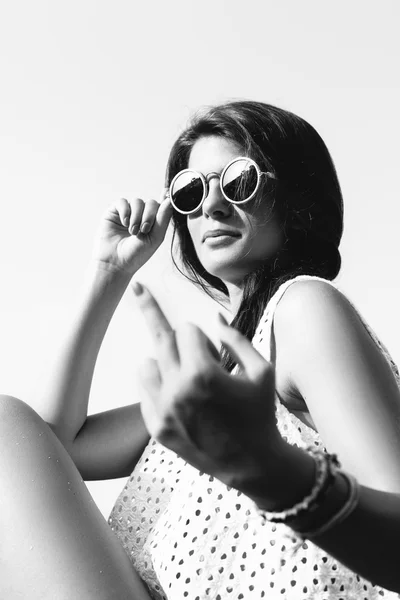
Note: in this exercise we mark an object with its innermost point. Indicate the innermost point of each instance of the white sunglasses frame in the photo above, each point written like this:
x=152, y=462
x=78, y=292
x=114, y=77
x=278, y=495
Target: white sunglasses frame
x=206, y=184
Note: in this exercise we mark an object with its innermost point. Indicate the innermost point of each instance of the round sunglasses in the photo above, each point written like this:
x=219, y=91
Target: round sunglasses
x=239, y=183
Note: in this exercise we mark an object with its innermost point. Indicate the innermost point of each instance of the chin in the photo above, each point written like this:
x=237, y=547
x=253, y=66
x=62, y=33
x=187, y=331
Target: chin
x=225, y=272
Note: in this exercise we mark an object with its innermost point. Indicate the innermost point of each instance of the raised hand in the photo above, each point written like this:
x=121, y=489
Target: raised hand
x=130, y=233
x=222, y=424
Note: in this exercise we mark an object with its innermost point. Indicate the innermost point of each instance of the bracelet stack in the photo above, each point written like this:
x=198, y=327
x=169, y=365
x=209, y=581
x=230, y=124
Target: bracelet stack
x=327, y=469
x=342, y=513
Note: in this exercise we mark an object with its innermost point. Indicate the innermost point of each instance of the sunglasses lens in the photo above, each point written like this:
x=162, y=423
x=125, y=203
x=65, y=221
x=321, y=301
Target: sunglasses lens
x=240, y=180
x=187, y=191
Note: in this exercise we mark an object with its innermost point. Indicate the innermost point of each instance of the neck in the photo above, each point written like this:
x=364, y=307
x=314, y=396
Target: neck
x=235, y=296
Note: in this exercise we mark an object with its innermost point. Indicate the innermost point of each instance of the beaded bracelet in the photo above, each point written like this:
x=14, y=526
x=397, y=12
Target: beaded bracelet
x=342, y=513
x=326, y=467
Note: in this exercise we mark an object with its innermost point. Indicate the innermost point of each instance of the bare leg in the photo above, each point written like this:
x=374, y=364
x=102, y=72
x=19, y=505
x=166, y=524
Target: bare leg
x=54, y=542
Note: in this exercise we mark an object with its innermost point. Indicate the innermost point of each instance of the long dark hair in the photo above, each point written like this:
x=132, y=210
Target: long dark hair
x=306, y=199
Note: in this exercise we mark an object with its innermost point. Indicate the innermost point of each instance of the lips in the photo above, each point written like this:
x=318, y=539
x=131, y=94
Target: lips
x=220, y=232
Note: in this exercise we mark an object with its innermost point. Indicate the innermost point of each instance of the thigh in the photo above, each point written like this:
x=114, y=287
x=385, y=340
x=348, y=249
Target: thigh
x=55, y=543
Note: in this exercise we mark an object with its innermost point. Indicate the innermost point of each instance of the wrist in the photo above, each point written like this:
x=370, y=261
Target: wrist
x=103, y=287
x=108, y=269
x=332, y=497
x=333, y=501
x=102, y=277
x=287, y=476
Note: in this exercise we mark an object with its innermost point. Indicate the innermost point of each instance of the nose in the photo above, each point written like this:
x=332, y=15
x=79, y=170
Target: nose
x=215, y=205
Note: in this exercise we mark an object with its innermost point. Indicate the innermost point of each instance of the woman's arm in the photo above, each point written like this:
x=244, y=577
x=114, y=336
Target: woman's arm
x=350, y=390
x=67, y=395
x=353, y=398
x=367, y=541
x=104, y=446
x=110, y=443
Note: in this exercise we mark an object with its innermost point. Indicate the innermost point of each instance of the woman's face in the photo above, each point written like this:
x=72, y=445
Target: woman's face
x=253, y=235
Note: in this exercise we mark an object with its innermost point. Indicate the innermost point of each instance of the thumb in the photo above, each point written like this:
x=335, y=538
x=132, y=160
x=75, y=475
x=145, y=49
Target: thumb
x=149, y=377
x=164, y=215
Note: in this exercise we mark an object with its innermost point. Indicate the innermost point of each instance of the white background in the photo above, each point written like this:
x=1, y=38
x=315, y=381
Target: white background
x=93, y=94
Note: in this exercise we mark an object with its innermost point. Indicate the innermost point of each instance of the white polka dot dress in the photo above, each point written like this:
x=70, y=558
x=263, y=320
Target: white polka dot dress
x=190, y=536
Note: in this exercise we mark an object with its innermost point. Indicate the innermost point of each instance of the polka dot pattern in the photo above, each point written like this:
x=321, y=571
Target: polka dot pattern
x=190, y=536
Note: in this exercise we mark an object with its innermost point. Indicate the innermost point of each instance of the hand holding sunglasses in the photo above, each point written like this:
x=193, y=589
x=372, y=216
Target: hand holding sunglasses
x=130, y=233
x=239, y=183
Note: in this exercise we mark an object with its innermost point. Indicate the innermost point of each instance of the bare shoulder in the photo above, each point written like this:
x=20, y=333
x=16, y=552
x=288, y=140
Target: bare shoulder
x=309, y=302
x=307, y=296
x=314, y=307
x=308, y=318
x=318, y=330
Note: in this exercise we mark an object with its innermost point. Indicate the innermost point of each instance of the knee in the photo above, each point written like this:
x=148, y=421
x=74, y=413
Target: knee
x=15, y=412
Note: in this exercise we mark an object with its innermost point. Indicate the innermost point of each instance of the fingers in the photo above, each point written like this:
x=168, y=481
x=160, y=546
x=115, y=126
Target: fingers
x=137, y=207
x=150, y=381
x=129, y=212
x=196, y=350
x=141, y=216
x=164, y=215
x=123, y=209
x=161, y=332
x=150, y=377
x=164, y=195
x=241, y=349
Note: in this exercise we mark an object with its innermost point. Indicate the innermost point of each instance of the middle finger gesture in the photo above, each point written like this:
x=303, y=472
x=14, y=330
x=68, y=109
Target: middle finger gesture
x=222, y=424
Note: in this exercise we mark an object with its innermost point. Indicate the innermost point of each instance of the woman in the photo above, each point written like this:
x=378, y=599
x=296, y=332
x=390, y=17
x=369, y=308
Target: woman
x=247, y=228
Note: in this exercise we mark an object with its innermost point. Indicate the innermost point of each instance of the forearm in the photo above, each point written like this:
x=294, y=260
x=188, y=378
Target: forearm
x=67, y=395
x=110, y=443
x=366, y=541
